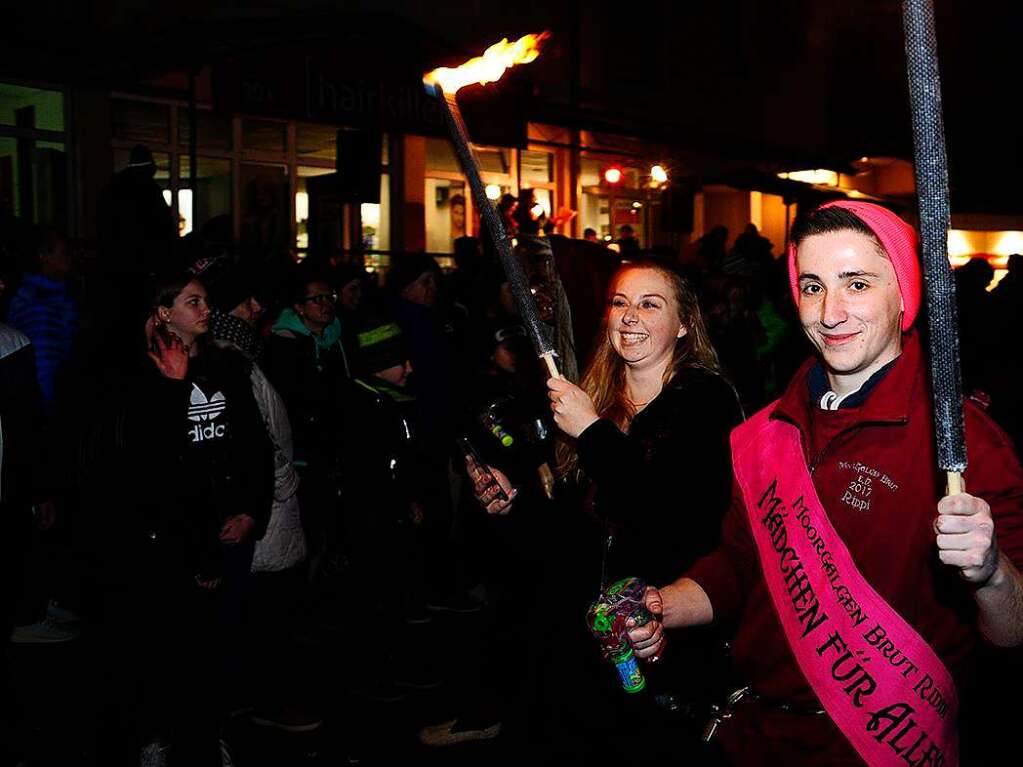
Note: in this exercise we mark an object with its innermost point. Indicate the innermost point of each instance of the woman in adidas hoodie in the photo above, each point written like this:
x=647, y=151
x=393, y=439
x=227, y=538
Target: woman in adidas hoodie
x=197, y=469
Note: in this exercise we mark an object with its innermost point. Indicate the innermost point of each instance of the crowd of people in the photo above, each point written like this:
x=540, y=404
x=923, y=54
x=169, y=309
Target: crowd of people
x=212, y=461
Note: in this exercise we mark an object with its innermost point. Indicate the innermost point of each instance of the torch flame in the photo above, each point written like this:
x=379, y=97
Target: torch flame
x=490, y=66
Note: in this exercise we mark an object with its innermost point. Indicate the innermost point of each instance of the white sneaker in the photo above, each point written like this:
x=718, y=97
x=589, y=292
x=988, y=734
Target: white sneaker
x=46, y=631
x=226, y=757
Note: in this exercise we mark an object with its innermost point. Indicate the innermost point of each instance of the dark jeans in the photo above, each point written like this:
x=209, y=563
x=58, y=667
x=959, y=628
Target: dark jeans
x=276, y=607
x=25, y=574
x=175, y=653
x=322, y=520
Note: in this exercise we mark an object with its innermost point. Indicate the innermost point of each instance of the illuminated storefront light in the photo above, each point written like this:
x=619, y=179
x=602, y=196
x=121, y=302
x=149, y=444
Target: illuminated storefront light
x=1008, y=243
x=959, y=247
x=184, y=209
x=993, y=247
x=816, y=176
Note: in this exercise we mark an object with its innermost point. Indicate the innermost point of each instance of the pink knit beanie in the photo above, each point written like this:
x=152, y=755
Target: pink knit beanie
x=898, y=240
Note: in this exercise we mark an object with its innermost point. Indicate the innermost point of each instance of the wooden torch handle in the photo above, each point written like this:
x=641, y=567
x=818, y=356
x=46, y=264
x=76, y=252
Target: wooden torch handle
x=552, y=366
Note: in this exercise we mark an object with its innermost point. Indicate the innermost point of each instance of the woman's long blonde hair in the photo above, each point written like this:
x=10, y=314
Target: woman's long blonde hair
x=604, y=379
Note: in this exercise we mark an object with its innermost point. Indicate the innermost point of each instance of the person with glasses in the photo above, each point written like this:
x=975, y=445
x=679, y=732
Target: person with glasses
x=310, y=365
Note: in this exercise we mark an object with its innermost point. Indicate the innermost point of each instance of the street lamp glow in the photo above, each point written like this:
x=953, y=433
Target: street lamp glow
x=493, y=192
x=659, y=174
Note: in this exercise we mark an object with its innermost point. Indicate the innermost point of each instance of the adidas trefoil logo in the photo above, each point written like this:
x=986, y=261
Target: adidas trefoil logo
x=202, y=408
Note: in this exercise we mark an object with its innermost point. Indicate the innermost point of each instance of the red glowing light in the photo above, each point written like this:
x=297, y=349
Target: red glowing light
x=613, y=175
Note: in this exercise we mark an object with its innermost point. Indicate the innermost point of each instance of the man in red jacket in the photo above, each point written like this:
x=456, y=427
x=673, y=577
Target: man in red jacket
x=857, y=587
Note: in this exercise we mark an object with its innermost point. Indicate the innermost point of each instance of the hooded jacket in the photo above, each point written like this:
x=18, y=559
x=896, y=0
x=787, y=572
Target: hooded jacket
x=874, y=470
x=311, y=374
x=662, y=490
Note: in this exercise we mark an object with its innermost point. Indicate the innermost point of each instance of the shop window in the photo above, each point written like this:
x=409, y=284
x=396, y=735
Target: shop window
x=318, y=141
x=445, y=214
x=630, y=204
x=264, y=135
x=10, y=190
x=495, y=160
x=302, y=204
x=31, y=107
x=376, y=219
x=441, y=156
x=536, y=168
x=265, y=209
x=49, y=184
x=33, y=180
x=629, y=211
x=214, y=130
x=589, y=172
x=210, y=203
x=140, y=122
x=593, y=215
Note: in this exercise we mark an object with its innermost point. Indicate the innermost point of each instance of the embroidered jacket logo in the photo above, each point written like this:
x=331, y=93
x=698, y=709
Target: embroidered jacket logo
x=206, y=409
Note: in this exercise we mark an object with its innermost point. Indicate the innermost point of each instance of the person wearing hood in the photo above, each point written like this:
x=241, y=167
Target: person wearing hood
x=860, y=588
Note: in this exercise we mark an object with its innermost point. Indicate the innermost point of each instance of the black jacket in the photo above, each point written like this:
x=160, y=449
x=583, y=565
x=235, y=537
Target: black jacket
x=312, y=384
x=665, y=486
x=662, y=491
x=174, y=459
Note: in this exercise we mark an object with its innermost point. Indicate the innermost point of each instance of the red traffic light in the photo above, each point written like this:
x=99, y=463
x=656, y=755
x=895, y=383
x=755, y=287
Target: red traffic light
x=613, y=175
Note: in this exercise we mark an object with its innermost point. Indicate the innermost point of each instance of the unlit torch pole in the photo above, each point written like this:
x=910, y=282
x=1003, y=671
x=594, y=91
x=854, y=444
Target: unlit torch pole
x=931, y=169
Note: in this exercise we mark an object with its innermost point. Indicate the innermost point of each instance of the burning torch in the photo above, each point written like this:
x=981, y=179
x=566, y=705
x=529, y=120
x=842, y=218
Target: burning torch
x=444, y=84
x=931, y=168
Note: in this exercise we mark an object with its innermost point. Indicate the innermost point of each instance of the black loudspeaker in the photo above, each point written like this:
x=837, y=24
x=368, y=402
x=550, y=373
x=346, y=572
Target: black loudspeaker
x=677, y=208
x=358, y=165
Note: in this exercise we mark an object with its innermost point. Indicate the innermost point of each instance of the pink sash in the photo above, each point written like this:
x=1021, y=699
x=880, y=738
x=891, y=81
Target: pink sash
x=879, y=681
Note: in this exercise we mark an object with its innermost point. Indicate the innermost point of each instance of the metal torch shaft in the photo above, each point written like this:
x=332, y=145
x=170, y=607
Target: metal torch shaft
x=495, y=229
x=931, y=168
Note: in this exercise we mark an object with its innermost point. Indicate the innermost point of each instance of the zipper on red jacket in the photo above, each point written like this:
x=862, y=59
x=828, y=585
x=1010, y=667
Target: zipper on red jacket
x=812, y=466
